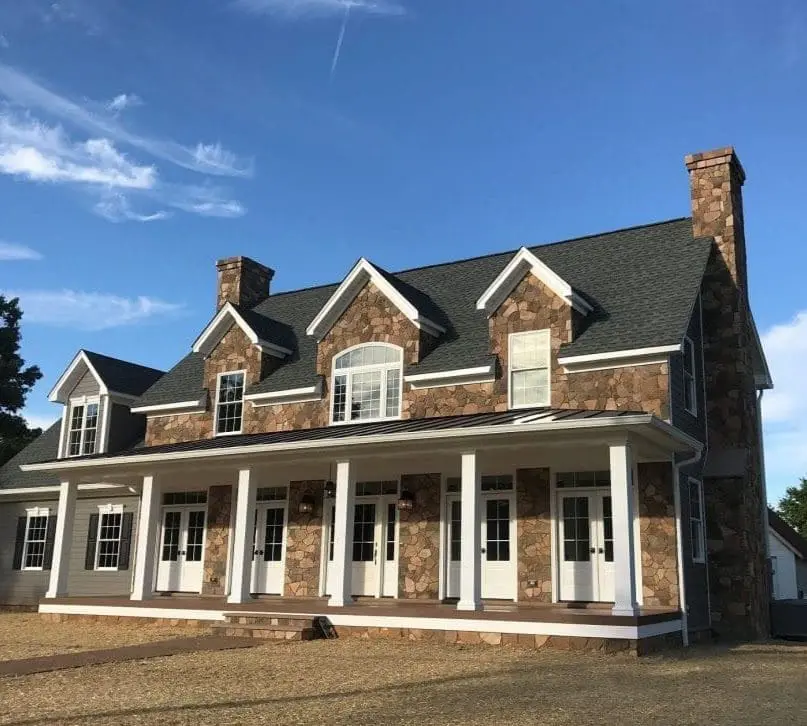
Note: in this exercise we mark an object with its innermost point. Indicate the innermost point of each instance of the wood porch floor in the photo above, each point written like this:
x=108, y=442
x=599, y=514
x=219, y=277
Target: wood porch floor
x=583, y=614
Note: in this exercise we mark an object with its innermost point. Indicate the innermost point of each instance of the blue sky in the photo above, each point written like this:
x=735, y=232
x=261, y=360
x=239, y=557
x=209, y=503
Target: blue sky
x=139, y=142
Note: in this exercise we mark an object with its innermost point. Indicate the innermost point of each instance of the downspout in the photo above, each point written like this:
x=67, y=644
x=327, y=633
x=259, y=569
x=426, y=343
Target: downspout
x=682, y=600
x=762, y=480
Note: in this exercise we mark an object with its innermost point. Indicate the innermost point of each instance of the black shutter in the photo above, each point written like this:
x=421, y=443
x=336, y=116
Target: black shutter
x=50, y=535
x=125, y=541
x=19, y=544
x=92, y=539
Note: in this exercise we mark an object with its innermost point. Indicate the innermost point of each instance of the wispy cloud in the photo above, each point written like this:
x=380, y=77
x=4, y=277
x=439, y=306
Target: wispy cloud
x=89, y=311
x=20, y=89
x=204, y=200
x=123, y=101
x=10, y=252
x=115, y=207
x=320, y=8
x=215, y=159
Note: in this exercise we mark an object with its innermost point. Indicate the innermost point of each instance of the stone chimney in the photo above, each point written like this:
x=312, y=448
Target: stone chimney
x=733, y=485
x=242, y=282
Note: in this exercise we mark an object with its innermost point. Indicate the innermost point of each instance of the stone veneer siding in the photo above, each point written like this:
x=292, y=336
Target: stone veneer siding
x=419, y=538
x=242, y=281
x=217, y=540
x=658, y=538
x=304, y=541
x=534, y=532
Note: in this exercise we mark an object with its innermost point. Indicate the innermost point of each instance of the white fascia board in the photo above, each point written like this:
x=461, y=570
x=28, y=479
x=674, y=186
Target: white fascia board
x=618, y=356
x=624, y=422
x=26, y=491
x=362, y=273
x=171, y=408
x=58, y=393
x=762, y=378
x=525, y=261
x=460, y=376
x=218, y=327
x=773, y=533
x=290, y=395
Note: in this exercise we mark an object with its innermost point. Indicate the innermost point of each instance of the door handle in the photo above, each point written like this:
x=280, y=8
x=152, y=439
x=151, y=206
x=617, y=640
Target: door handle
x=600, y=550
x=375, y=554
x=483, y=550
x=182, y=552
x=592, y=550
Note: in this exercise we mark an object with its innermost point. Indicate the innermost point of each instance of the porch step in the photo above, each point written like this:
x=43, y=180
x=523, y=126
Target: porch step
x=270, y=620
x=265, y=632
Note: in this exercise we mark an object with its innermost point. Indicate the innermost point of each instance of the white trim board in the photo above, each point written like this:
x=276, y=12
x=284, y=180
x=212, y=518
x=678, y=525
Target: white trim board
x=362, y=273
x=289, y=395
x=617, y=358
x=69, y=378
x=170, y=409
x=521, y=627
x=459, y=376
x=217, y=328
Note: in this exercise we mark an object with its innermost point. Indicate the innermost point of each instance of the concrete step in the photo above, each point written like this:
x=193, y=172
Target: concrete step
x=266, y=632
x=269, y=619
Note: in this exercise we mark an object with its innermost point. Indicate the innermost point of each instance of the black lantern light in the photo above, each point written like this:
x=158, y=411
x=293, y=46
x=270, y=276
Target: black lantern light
x=306, y=503
x=406, y=502
x=330, y=490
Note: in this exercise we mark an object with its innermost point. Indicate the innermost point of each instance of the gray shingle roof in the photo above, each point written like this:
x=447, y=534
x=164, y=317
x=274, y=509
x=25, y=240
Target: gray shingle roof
x=641, y=281
x=123, y=377
x=44, y=448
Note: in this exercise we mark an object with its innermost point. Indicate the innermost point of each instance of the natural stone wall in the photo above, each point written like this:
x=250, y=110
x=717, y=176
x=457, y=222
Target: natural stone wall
x=419, y=547
x=217, y=540
x=286, y=417
x=178, y=428
x=534, y=535
x=658, y=541
x=242, y=281
x=303, y=541
x=451, y=401
x=633, y=388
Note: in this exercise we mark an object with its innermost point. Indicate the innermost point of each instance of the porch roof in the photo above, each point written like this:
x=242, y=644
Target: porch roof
x=467, y=427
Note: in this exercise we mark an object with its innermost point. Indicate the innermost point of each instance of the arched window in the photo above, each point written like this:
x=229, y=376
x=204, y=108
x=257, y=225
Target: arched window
x=367, y=383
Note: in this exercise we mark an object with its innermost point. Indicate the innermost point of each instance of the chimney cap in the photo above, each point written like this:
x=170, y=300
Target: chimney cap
x=243, y=262
x=715, y=157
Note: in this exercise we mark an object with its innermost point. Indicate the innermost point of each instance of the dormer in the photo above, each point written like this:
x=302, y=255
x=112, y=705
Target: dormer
x=97, y=393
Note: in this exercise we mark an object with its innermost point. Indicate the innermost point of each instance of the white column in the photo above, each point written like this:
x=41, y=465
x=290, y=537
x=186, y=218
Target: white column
x=342, y=566
x=470, y=544
x=622, y=509
x=148, y=526
x=243, y=538
x=63, y=539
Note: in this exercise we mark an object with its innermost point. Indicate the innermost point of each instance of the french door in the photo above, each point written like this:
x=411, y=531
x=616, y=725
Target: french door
x=586, y=546
x=268, y=553
x=498, y=573
x=181, y=557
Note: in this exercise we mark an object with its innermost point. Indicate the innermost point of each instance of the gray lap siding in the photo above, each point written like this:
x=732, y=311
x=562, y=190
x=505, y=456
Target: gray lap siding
x=26, y=587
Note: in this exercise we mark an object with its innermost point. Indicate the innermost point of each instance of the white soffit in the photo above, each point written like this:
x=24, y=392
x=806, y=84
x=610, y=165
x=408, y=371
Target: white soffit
x=479, y=374
x=362, y=273
x=176, y=407
x=72, y=376
x=221, y=323
x=289, y=395
x=525, y=261
x=618, y=358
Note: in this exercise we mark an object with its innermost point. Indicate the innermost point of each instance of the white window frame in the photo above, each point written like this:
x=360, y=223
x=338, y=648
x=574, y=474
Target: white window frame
x=690, y=379
x=86, y=402
x=349, y=372
x=510, y=370
x=218, y=403
x=105, y=509
x=701, y=533
x=30, y=514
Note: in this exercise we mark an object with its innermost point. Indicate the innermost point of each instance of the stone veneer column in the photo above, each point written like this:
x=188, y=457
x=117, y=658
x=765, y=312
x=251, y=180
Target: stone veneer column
x=217, y=540
x=304, y=541
x=658, y=535
x=242, y=281
x=534, y=535
x=419, y=538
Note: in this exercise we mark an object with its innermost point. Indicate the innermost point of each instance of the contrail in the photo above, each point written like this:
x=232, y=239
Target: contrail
x=341, y=40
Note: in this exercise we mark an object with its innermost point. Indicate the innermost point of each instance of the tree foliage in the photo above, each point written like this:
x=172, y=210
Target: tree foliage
x=16, y=382
x=793, y=507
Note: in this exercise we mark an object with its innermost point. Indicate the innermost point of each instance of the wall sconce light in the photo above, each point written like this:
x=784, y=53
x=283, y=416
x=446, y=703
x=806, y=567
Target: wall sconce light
x=406, y=502
x=330, y=490
x=306, y=503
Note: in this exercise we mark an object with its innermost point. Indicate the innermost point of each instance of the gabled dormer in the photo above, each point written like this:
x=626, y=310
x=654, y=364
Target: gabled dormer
x=97, y=393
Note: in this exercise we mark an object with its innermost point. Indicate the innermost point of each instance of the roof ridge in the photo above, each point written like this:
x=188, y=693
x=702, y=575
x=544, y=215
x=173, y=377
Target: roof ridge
x=121, y=360
x=492, y=254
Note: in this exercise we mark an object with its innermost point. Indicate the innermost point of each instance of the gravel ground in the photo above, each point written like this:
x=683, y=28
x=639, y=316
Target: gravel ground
x=26, y=635
x=376, y=682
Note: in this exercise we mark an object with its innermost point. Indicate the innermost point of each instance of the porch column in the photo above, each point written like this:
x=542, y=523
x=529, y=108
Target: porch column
x=341, y=567
x=243, y=538
x=148, y=524
x=470, y=544
x=62, y=539
x=625, y=602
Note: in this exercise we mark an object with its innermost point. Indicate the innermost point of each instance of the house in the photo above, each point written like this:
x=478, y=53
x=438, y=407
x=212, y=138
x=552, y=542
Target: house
x=788, y=553
x=558, y=444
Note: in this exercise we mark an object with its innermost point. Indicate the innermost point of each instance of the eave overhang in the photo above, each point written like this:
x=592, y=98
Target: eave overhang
x=217, y=328
x=68, y=380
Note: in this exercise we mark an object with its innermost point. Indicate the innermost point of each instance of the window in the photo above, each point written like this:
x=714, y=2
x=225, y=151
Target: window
x=271, y=494
x=83, y=433
x=569, y=479
x=178, y=498
x=696, y=520
x=367, y=383
x=36, y=535
x=529, y=368
x=690, y=380
x=230, y=403
x=110, y=525
x=488, y=483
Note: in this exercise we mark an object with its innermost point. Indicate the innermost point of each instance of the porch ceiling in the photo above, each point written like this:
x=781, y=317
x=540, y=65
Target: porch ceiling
x=524, y=427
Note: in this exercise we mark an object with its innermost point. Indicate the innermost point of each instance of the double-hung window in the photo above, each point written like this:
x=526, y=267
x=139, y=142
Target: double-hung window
x=83, y=433
x=110, y=526
x=690, y=378
x=529, y=362
x=696, y=526
x=367, y=383
x=36, y=535
x=230, y=403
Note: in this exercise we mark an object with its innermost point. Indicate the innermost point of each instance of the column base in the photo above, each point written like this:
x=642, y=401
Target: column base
x=631, y=611
x=139, y=598
x=470, y=605
x=50, y=595
x=238, y=599
x=339, y=602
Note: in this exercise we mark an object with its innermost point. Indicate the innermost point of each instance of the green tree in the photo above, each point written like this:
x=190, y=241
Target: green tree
x=15, y=383
x=793, y=507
